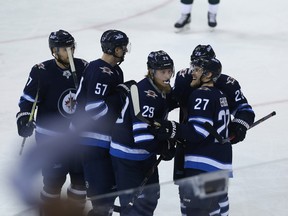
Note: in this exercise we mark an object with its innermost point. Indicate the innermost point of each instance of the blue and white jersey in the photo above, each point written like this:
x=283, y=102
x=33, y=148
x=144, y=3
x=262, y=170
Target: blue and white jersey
x=56, y=98
x=238, y=104
x=202, y=150
x=96, y=86
x=130, y=138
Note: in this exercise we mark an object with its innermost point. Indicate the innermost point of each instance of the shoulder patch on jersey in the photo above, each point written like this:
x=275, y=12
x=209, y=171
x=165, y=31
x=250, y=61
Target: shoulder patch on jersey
x=223, y=102
x=151, y=93
x=106, y=70
x=40, y=66
x=183, y=72
x=230, y=80
x=85, y=63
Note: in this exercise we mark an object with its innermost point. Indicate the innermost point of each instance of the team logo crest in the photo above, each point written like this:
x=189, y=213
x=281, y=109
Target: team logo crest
x=106, y=70
x=67, y=74
x=67, y=103
x=151, y=93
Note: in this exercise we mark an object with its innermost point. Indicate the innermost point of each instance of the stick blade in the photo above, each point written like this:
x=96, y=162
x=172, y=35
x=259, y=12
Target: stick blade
x=135, y=99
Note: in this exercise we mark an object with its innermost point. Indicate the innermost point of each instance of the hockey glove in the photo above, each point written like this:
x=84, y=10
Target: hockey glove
x=166, y=130
x=124, y=88
x=116, y=100
x=237, y=130
x=168, y=150
x=25, y=128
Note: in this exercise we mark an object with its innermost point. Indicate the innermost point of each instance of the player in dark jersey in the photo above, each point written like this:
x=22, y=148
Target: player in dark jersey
x=238, y=104
x=51, y=83
x=100, y=97
x=202, y=152
x=239, y=107
x=133, y=148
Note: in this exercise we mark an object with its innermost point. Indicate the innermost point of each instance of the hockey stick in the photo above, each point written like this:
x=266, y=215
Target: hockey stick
x=140, y=189
x=144, y=182
x=263, y=119
x=30, y=120
x=72, y=65
x=214, y=132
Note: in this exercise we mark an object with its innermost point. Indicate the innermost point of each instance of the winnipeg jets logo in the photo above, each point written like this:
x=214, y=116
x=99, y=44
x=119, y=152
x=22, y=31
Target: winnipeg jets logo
x=106, y=70
x=151, y=93
x=67, y=103
x=67, y=74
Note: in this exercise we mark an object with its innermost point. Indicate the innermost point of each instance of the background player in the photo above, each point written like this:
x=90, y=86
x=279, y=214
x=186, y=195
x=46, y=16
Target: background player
x=186, y=7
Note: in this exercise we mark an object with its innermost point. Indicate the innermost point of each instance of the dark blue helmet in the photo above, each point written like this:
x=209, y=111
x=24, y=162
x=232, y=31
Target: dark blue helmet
x=205, y=51
x=159, y=60
x=60, y=38
x=111, y=39
x=212, y=65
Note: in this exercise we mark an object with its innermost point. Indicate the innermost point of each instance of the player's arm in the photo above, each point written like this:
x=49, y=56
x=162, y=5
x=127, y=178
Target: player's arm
x=25, y=116
x=239, y=107
x=181, y=89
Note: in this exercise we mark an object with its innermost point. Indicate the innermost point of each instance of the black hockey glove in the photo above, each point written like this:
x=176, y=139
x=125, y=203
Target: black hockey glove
x=168, y=150
x=116, y=100
x=124, y=88
x=166, y=130
x=25, y=128
x=237, y=130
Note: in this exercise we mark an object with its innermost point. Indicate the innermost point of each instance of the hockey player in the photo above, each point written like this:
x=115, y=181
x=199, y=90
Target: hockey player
x=238, y=105
x=205, y=104
x=100, y=98
x=52, y=83
x=186, y=7
x=134, y=154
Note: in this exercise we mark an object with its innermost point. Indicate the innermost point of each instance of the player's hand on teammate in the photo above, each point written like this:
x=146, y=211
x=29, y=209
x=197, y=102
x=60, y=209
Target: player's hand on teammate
x=25, y=128
x=124, y=88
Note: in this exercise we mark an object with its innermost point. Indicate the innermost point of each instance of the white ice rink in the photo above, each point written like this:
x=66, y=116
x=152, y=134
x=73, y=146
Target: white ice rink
x=251, y=40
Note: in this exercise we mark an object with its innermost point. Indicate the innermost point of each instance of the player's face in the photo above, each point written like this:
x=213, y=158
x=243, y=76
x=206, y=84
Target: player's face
x=196, y=76
x=61, y=56
x=162, y=79
x=120, y=52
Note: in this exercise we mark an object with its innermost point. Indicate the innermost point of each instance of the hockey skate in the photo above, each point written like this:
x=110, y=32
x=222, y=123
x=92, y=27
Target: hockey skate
x=212, y=19
x=183, y=23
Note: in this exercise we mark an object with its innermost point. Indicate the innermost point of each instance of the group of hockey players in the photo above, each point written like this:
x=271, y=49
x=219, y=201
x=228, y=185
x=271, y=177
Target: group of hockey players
x=87, y=111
